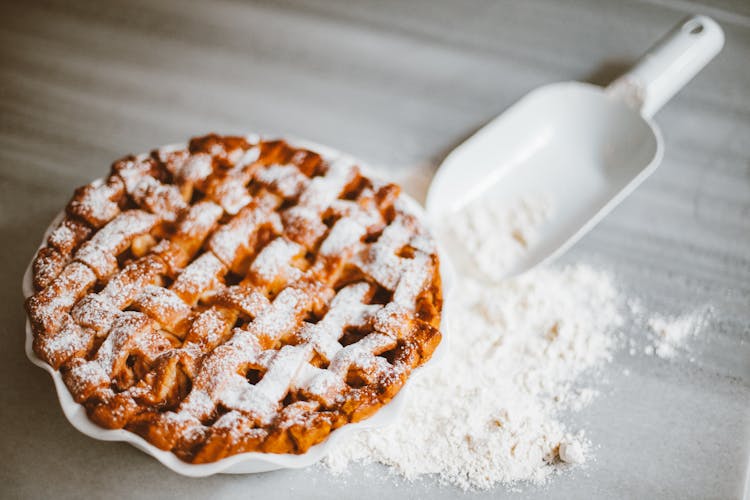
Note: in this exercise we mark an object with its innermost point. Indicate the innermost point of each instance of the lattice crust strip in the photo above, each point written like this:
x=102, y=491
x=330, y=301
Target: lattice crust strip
x=235, y=295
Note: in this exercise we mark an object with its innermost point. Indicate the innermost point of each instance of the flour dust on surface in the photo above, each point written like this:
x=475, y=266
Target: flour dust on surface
x=515, y=358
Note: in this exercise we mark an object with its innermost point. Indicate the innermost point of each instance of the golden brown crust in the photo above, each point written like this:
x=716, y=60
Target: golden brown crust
x=235, y=296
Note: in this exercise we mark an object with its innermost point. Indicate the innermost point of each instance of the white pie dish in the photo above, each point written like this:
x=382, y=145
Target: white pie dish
x=243, y=463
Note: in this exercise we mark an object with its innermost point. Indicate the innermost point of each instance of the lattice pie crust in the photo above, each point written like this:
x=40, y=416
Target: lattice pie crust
x=235, y=295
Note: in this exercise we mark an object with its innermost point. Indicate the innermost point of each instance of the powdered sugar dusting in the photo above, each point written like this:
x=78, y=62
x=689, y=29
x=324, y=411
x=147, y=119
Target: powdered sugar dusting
x=196, y=168
x=413, y=281
x=235, y=235
x=262, y=399
x=286, y=179
x=348, y=308
x=201, y=275
x=99, y=252
x=69, y=340
x=323, y=190
x=273, y=260
x=381, y=260
x=203, y=301
x=344, y=235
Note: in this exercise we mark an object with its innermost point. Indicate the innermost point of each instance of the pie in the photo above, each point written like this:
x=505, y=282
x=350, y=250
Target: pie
x=236, y=294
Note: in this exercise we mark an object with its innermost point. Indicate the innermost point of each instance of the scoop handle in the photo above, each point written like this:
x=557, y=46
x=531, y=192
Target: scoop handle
x=670, y=64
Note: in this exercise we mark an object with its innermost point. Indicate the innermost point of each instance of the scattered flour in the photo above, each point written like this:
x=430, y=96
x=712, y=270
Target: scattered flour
x=671, y=333
x=514, y=355
x=514, y=351
x=487, y=413
x=666, y=336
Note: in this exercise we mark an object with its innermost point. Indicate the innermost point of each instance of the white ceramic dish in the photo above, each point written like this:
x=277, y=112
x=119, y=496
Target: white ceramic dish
x=243, y=463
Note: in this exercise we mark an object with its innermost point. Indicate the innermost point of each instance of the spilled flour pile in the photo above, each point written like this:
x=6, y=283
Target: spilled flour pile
x=487, y=412
x=513, y=357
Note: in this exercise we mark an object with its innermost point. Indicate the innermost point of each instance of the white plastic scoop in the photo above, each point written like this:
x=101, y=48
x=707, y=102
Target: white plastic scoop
x=584, y=147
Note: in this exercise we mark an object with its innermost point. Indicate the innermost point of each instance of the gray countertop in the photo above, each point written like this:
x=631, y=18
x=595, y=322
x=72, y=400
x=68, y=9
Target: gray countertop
x=397, y=84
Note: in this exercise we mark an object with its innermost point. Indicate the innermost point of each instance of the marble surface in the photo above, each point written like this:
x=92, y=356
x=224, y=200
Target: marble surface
x=398, y=84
